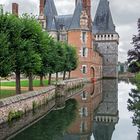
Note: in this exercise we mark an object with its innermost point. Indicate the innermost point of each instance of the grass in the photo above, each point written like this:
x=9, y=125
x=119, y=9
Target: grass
x=8, y=93
x=137, y=77
x=24, y=83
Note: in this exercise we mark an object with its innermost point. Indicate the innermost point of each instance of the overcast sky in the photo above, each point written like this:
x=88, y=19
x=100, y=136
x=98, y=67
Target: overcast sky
x=125, y=15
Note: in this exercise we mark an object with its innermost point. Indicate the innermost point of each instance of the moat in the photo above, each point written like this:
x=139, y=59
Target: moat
x=98, y=112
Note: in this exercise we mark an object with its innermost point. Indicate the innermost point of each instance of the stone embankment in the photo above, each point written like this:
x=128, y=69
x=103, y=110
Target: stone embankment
x=20, y=104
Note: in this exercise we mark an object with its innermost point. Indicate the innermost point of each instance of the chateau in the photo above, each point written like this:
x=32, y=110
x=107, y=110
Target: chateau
x=96, y=41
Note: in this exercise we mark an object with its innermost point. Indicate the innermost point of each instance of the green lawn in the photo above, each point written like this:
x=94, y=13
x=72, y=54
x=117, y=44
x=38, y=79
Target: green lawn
x=24, y=83
x=7, y=93
x=138, y=77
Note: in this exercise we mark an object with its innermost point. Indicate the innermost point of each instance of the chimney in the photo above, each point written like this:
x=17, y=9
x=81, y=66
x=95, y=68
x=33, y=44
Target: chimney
x=42, y=4
x=87, y=6
x=15, y=9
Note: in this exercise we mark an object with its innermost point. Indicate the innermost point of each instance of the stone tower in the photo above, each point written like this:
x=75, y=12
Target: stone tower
x=106, y=39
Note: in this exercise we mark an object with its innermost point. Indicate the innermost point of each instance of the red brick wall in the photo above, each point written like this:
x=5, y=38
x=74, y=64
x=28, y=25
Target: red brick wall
x=93, y=60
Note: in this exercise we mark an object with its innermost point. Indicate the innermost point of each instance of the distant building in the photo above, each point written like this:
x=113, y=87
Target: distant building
x=122, y=67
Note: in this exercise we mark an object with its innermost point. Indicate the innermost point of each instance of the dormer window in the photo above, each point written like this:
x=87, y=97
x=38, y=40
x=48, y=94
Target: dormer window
x=63, y=37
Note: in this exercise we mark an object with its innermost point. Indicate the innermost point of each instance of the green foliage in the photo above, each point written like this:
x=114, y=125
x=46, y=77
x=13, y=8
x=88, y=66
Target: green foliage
x=71, y=61
x=25, y=48
x=5, y=64
x=134, y=54
x=45, y=42
x=31, y=33
x=14, y=115
x=60, y=57
x=134, y=104
x=54, y=124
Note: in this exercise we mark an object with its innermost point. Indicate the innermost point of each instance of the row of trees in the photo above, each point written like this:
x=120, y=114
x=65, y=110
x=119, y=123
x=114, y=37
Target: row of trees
x=26, y=49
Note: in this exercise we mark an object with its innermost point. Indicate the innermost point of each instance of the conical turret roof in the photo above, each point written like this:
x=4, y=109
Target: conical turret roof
x=50, y=12
x=75, y=24
x=103, y=22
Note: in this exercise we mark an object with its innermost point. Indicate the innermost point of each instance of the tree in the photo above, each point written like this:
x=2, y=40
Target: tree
x=45, y=42
x=5, y=60
x=134, y=106
x=71, y=60
x=31, y=34
x=11, y=26
x=134, y=54
x=51, y=58
x=60, y=58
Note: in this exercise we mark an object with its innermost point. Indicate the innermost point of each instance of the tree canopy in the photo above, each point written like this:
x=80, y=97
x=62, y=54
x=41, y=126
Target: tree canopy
x=134, y=54
x=27, y=49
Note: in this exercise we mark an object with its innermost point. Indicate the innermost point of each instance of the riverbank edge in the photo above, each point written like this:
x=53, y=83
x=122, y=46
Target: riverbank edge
x=26, y=102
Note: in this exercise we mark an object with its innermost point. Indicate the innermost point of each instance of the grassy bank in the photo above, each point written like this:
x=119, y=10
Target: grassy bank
x=137, y=78
x=8, y=93
x=24, y=83
x=9, y=89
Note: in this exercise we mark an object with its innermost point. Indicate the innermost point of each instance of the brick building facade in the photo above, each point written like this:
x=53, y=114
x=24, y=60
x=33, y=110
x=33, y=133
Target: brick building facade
x=96, y=42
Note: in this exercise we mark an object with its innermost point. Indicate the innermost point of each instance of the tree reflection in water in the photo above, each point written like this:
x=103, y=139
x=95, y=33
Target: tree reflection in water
x=134, y=106
x=52, y=126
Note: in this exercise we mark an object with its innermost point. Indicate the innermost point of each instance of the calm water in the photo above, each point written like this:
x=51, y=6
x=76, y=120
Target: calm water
x=99, y=112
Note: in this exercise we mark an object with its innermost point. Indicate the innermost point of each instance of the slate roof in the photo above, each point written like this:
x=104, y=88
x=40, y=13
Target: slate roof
x=103, y=22
x=75, y=24
x=50, y=12
x=63, y=21
x=55, y=21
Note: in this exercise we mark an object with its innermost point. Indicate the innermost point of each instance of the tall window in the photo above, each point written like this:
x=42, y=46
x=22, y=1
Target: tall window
x=84, y=52
x=84, y=69
x=84, y=95
x=84, y=112
x=84, y=37
x=83, y=126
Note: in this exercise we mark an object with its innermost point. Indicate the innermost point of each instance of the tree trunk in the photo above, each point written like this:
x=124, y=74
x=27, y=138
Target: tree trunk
x=56, y=76
x=30, y=82
x=64, y=75
x=49, y=82
x=69, y=74
x=41, y=81
x=18, y=86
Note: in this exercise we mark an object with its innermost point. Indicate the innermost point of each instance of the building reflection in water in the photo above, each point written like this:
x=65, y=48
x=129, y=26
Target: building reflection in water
x=97, y=112
x=107, y=113
x=88, y=101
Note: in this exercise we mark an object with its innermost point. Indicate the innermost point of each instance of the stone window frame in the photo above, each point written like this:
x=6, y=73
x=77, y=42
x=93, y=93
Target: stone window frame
x=84, y=36
x=84, y=95
x=84, y=69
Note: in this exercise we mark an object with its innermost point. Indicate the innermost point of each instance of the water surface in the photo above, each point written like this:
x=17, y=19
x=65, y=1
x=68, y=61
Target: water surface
x=99, y=112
